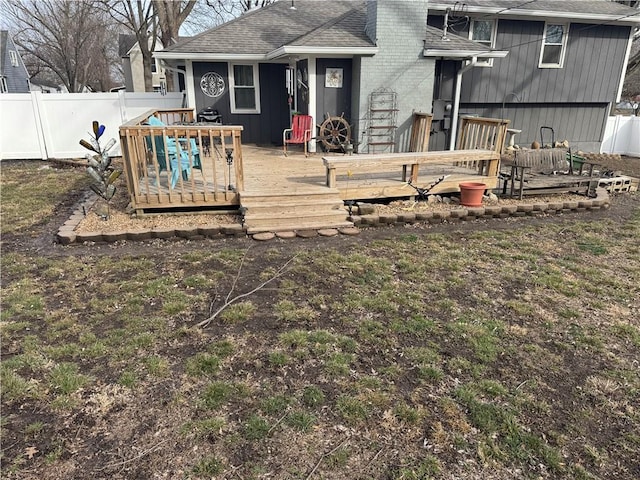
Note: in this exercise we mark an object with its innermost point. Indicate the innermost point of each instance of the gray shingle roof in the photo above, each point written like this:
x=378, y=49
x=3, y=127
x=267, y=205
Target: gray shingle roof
x=312, y=23
x=434, y=41
x=125, y=42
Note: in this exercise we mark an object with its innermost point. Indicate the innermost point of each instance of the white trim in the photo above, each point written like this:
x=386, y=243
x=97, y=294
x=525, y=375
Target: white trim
x=523, y=14
x=563, y=46
x=311, y=75
x=303, y=50
x=189, y=85
x=624, y=66
x=464, y=54
x=13, y=56
x=210, y=56
x=486, y=62
x=256, y=88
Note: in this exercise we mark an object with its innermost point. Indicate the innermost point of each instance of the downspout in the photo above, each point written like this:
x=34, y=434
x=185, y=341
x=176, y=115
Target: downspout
x=456, y=103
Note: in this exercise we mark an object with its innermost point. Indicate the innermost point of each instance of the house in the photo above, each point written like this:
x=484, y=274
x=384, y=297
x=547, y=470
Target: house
x=378, y=62
x=45, y=85
x=14, y=77
x=133, y=65
x=565, y=68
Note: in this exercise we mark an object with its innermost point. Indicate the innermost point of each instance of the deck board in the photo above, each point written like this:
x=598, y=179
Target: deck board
x=268, y=172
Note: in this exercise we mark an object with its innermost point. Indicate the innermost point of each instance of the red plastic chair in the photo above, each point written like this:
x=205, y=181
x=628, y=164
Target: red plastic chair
x=300, y=132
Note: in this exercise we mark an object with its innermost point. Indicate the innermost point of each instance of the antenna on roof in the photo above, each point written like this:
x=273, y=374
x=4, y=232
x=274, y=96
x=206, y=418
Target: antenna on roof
x=292, y=7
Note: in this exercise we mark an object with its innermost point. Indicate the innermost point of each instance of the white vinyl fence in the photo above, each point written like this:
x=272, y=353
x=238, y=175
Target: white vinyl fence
x=622, y=135
x=41, y=126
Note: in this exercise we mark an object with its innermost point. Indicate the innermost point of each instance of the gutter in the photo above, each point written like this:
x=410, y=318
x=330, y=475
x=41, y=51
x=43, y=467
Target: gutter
x=305, y=50
x=463, y=54
x=272, y=55
x=524, y=14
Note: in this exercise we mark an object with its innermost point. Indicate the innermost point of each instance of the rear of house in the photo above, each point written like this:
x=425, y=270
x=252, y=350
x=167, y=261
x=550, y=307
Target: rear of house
x=375, y=63
x=564, y=70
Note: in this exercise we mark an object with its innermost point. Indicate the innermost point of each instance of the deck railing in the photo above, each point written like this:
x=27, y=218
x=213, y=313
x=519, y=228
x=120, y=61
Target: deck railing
x=482, y=133
x=178, y=163
x=479, y=133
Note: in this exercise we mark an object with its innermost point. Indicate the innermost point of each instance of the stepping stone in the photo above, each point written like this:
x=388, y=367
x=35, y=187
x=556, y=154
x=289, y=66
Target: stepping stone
x=306, y=233
x=286, y=235
x=349, y=231
x=264, y=236
x=328, y=232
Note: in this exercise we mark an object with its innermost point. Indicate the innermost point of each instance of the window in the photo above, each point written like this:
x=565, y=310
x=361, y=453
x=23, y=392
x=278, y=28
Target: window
x=3, y=85
x=554, y=45
x=483, y=32
x=245, y=88
x=14, y=57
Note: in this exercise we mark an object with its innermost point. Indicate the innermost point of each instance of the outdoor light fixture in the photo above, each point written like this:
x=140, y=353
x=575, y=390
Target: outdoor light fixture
x=229, y=152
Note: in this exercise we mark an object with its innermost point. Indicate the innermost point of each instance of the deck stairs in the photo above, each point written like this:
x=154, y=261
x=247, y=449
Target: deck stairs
x=277, y=212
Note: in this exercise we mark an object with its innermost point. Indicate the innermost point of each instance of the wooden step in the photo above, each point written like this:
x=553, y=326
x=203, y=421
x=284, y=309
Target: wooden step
x=294, y=196
x=290, y=212
x=277, y=220
x=293, y=208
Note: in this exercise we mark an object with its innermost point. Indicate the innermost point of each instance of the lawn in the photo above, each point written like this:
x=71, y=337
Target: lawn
x=406, y=353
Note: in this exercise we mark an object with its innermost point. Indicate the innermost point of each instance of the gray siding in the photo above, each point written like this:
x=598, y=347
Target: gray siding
x=581, y=124
x=334, y=101
x=17, y=77
x=573, y=100
x=263, y=128
x=593, y=66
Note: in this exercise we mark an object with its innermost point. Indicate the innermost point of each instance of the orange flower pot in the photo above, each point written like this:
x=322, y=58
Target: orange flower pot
x=471, y=193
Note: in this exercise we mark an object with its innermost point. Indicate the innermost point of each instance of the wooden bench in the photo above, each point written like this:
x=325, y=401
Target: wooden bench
x=486, y=162
x=548, y=170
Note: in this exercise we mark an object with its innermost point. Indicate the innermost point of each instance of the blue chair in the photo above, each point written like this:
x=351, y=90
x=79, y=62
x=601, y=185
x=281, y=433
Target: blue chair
x=184, y=165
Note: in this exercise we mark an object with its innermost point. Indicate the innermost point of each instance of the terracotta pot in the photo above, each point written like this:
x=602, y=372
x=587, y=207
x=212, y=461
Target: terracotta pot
x=471, y=193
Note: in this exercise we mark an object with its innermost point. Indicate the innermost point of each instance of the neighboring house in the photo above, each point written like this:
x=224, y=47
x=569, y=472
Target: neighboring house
x=14, y=77
x=340, y=57
x=46, y=86
x=133, y=65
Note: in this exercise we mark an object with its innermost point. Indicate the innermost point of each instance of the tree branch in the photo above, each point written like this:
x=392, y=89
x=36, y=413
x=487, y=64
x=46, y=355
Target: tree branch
x=231, y=301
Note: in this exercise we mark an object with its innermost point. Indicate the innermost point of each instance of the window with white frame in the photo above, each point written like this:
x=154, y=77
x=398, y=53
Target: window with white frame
x=483, y=32
x=244, y=88
x=554, y=45
x=3, y=84
x=14, y=57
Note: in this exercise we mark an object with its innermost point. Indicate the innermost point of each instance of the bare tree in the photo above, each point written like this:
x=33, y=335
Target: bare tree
x=228, y=9
x=138, y=17
x=171, y=15
x=65, y=38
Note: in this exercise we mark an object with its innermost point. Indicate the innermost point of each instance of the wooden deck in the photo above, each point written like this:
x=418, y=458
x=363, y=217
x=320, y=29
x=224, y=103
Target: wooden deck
x=206, y=166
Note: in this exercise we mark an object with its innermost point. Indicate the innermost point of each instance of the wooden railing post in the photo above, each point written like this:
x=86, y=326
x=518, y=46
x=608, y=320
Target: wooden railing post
x=420, y=132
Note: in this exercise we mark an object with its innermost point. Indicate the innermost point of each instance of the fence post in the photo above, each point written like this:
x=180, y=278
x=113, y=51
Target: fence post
x=36, y=104
x=122, y=103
